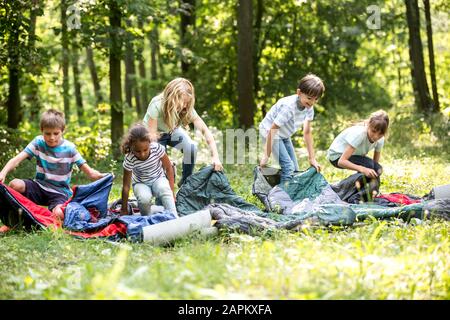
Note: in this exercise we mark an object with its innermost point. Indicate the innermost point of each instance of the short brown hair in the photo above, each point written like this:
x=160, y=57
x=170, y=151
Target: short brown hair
x=311, y=85
x=53, y=119
x=379, y=121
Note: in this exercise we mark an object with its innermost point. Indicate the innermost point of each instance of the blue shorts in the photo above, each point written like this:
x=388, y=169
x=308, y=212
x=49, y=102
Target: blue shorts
x=40, y=196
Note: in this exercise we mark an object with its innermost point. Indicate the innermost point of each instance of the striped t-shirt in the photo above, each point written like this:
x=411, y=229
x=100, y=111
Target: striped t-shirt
x=146, y=171
x=54, y=164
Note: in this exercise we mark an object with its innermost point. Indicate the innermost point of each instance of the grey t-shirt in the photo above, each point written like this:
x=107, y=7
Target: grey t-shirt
x=288, y=114
x=155, y=111
x=356, y=137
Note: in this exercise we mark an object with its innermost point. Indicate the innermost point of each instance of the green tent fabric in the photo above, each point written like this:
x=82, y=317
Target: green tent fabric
x=315, y=203
x=314, y=199
x=205, y=187
x=308, y=184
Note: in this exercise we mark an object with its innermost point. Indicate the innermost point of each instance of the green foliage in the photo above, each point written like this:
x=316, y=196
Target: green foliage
x=363, y=70
x=11, y=143
x=374, y=261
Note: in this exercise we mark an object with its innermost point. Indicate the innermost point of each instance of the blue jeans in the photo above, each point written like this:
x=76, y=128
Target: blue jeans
x=284, y=154
x=180, y=140
x=160, y=188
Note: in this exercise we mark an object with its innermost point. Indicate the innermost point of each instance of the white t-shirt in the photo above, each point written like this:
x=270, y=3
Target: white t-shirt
x=155, y=111
x=288, y=114
x=150, y=169
x=356, y=137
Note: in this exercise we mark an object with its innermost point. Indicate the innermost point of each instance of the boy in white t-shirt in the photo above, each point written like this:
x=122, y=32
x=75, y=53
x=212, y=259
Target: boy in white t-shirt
x=284, y=119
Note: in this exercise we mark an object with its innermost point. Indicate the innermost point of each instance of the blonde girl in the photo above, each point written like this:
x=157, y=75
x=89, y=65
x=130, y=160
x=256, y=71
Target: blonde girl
x=168, y=112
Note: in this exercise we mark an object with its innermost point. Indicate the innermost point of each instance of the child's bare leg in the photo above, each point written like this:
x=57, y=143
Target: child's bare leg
x=18, y=185
x=4, y=229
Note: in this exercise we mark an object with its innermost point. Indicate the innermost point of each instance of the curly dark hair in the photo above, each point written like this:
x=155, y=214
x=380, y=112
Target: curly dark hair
x=138, y=132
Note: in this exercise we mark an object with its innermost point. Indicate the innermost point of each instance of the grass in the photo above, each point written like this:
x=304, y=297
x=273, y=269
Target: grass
x=373, y=260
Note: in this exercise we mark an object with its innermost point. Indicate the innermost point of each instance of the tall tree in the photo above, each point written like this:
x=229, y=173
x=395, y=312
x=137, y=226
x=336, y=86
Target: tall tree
x=76, y=82
x=65, y=57
x=33, y=98
x=94, y=75
x=426, y=4
x=130, y=69
x=142, y=73
x=187, y=9
x=115, y=87
x=258, y=49
x=13, y=103
x=419, y=80
x=154, y=51
x=246, y=103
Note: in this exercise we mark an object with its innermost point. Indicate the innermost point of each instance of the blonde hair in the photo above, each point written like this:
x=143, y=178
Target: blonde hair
x=173, y=98
x=53, y=119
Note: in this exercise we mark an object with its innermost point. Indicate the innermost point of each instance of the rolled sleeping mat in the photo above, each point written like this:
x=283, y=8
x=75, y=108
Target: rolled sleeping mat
x=442, y=192
x=170, y=230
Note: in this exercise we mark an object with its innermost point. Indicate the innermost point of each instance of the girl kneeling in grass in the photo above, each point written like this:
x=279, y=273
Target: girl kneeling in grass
x=147, y=165
x=349, y=149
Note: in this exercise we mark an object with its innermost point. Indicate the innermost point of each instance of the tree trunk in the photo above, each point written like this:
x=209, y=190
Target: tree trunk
x=115, y=87
x=137, y=95
x=246, y=104
x=144, y=95
x=187, y=19
x=33, y=96
x=431, y=55
x=94, y=75
x=142, y=75
x=131, y=88
x=419, y=80
x=77, y=84
x=153, y=37
x=13, y=102
x=130, y=71
x=65, y=58
x=257, y=51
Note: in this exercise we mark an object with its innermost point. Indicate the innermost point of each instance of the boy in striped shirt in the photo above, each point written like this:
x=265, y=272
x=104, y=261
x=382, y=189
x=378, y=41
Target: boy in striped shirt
x=55, y=157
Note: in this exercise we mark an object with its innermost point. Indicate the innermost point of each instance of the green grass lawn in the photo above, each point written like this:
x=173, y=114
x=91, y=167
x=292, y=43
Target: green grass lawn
x=372, y=260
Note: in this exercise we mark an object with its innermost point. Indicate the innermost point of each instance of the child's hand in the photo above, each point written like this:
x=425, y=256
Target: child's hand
x=263, y=161
x=2, y=177
x=58, y=212
x=97, y=175
x=217, y=165
x=369, y=173
x=123, y=211
x=315, y=164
